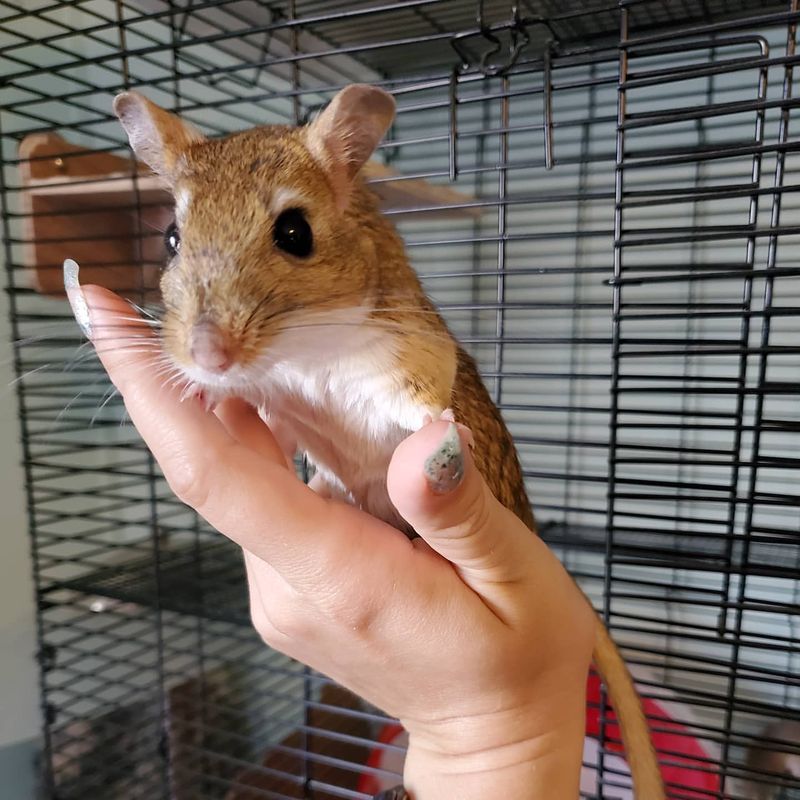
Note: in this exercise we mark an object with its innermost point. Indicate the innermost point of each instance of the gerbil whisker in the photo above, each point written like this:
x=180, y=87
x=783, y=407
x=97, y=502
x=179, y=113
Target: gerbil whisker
x=152, y=226
x=29, y=341
x=117, y=345
x=187, y=391
x=145, y=310
x=155, y=323
x=107, y=334
x=384, y=325
x=74, y=400
x=125, y=319
x=79, y=358
x=138, y=341
x=172, y=379
x=108, y=395
x=163, y=367
x=39, y=337
x=28, y=374
x=261, y=303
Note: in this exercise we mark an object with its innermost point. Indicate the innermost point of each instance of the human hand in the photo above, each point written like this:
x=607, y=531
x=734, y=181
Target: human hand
x=473, y=636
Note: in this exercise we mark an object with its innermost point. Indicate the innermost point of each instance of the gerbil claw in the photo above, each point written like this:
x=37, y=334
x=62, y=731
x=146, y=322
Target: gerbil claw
x=187, y=392
x=207, y=403
x=200, y=396
x=450, y=416
x=447, y=414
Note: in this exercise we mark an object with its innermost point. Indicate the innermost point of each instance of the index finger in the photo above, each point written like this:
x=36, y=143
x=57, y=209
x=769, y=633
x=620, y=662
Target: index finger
x=250, y=497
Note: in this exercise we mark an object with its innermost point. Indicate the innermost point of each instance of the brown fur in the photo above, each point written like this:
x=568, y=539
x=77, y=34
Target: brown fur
x=495, y=453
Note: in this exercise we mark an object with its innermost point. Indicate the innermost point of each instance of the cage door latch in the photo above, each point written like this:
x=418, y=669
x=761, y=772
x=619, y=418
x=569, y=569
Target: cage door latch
x=519, y=39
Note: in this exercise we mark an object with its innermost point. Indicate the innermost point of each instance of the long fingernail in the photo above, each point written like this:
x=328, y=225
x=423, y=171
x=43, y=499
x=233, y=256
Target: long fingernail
x=444, y=468
x=75, y=296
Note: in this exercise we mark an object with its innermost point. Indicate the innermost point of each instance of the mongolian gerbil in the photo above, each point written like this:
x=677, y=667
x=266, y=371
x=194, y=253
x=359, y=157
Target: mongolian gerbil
x=288, y=288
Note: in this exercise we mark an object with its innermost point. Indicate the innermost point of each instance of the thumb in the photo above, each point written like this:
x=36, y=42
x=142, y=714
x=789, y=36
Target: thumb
x=434, y=484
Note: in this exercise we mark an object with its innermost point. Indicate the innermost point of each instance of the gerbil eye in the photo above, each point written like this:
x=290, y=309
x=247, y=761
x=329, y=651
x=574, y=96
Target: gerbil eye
x=172, y=240
x=293, y=233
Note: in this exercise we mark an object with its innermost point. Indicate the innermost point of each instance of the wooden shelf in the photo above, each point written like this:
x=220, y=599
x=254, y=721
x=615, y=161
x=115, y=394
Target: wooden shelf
x=88, y=206
x=81, y=204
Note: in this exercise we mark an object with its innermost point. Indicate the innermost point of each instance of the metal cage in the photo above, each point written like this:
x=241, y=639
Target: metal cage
x=601, y=196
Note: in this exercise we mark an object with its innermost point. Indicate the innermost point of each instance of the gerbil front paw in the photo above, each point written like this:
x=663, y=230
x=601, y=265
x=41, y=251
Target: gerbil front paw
x=450, y=416
x=200, y=395
x=447, y=414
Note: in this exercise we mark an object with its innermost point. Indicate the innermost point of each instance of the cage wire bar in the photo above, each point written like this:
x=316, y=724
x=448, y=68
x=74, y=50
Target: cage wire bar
x=617, y=249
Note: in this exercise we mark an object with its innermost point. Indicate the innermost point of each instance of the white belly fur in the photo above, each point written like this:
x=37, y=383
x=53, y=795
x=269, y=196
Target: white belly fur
x=347, y=418
x=332, y=384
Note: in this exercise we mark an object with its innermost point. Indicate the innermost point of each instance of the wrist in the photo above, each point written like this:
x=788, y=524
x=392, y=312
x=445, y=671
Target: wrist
x=537, y=769
x=530, y=751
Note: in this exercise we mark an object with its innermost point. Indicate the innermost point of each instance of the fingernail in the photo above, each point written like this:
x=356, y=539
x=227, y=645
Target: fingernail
x=444, y=468
x=75, y=296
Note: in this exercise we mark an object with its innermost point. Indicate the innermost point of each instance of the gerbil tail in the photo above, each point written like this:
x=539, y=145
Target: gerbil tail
x=647, y=781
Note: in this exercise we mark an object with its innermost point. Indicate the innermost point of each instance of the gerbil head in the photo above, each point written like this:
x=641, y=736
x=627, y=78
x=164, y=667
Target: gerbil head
x=270, y=230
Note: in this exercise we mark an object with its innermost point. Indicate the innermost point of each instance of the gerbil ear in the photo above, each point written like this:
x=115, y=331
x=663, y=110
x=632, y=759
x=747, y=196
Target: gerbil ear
x=157, y=137
x=346, y=133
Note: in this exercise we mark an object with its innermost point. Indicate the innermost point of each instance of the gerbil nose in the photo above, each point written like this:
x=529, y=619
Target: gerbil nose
x=210, y=348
